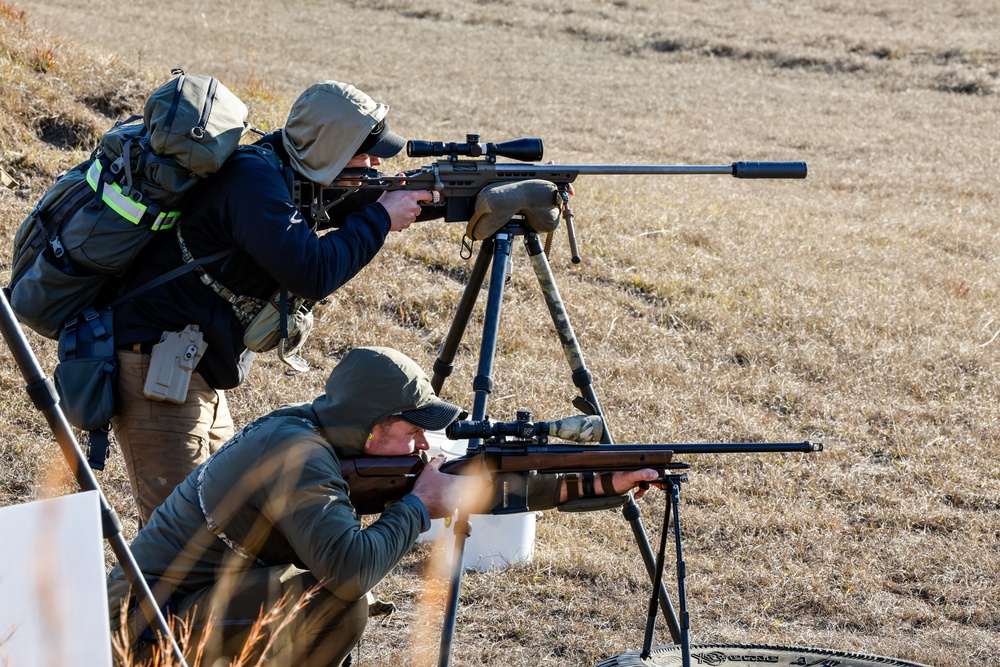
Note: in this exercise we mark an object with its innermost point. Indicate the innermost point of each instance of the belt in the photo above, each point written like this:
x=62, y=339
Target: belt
x=138, y=348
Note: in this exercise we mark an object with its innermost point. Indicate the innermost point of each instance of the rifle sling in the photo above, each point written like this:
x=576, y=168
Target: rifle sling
x=174, y=273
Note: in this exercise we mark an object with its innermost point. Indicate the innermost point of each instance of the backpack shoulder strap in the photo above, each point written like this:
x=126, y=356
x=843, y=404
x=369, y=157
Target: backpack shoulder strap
x=268, y=154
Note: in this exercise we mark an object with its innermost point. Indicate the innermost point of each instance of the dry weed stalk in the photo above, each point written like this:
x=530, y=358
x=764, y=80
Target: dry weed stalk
x=255, y=651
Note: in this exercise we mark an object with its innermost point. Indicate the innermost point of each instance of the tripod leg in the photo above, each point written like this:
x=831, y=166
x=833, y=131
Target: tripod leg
x=675, y=500
x=631, y=513
x=681, y=636
x=582, y=379
x=444, y=365
x=43, y=396
x=483, y=385
x=483, y=382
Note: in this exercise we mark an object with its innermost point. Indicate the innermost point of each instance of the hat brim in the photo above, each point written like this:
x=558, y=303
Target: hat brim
x=388, y=145
x=434, y=417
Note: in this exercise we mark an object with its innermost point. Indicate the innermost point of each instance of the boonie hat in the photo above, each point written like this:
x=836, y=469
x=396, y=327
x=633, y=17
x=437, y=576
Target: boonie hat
x=328, y=124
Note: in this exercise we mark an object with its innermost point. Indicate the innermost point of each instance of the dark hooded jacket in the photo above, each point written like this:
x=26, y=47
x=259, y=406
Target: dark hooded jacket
x=246, y=206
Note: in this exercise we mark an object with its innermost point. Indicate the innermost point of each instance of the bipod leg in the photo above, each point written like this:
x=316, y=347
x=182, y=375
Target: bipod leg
x=44, y=397
x=444, y=364
x=672, y=501
x=483, y=385
x=631, y=513
x=583, y=380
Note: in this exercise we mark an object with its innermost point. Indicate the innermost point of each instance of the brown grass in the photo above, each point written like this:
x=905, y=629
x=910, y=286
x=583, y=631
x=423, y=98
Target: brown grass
x=859, y=305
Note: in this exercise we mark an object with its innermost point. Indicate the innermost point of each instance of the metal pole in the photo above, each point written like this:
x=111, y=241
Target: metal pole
x=43, y=395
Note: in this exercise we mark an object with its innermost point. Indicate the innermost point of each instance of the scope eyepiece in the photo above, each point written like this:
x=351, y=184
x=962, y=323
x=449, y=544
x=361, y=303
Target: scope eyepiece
x=523, y=150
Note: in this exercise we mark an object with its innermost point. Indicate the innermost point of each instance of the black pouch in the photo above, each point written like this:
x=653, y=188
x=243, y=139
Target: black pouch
x=86, y=376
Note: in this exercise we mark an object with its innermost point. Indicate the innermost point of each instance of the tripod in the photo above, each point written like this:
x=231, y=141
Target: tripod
x=494, y=258
x=43, y=395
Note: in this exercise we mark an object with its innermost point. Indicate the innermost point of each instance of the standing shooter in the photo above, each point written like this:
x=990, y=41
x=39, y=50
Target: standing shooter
x=247, y=208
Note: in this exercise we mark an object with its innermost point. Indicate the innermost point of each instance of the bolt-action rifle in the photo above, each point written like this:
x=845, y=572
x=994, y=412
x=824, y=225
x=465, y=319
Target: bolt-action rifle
x=456, y=182
x=509, y=451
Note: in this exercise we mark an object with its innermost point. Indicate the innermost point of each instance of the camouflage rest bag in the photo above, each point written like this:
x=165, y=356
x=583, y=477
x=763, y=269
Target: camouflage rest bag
x=535, y=199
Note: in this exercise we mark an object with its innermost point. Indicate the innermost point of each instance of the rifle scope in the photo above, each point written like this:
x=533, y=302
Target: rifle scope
x=580, y=428
x=524, y=150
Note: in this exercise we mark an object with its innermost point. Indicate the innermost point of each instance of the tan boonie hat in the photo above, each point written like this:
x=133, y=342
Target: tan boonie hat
x=327, y=125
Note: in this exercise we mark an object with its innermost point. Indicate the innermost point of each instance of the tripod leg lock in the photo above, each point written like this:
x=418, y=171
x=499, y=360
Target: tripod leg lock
x=483, y=383
x=443, y=369
x=582, y=378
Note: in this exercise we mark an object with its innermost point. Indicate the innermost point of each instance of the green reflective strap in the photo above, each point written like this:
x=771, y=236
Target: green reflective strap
x=125, y=206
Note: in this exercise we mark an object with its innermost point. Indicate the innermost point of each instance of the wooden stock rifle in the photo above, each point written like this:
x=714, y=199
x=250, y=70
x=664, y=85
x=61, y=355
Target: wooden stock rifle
x=508, y=451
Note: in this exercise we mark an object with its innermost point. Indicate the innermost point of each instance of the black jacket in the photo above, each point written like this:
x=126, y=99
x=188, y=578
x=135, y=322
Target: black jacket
x=245, y=205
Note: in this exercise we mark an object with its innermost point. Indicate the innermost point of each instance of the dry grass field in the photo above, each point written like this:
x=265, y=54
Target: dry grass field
x=860, y=306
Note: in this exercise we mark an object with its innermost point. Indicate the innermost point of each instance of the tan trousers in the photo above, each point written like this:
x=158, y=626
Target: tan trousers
x=319, y=633
x=162, y=442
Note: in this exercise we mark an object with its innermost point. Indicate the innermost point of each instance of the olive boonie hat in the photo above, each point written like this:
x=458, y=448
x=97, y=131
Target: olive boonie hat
x=327, y=125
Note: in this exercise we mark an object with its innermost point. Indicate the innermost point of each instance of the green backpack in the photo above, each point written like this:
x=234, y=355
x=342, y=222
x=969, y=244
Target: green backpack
x=93, y=222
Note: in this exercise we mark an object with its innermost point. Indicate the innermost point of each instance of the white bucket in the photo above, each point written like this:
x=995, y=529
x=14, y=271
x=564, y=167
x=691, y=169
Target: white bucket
x=496, y=541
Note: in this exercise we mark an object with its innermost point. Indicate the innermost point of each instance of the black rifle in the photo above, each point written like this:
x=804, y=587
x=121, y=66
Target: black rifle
x=457, y=182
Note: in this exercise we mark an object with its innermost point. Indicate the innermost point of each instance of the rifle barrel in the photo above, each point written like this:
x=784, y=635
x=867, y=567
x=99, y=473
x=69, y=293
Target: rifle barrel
x=747, y=447
x=736, y=169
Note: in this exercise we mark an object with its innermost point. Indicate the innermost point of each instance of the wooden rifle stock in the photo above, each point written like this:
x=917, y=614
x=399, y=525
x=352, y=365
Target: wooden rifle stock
x=375, y=481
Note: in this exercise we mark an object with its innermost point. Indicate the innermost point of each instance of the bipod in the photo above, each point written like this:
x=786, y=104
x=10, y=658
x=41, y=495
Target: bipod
x=494, y=259
x=672, y=484
x=43, y=395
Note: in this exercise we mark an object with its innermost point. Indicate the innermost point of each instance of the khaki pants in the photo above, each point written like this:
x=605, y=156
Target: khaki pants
x=161, y=442
x=320, y=633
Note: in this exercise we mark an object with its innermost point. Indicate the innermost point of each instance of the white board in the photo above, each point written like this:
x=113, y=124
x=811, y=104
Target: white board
x=53, y=600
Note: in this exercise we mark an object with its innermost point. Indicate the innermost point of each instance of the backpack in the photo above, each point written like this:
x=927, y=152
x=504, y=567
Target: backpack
x=97, y=217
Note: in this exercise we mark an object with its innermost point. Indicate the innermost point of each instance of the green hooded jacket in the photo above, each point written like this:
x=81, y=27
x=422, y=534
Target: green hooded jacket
x=275, y=494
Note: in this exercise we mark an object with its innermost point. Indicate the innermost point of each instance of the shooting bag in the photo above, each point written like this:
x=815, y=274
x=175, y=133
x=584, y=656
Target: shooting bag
x=537, y=200
x=93, y=222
